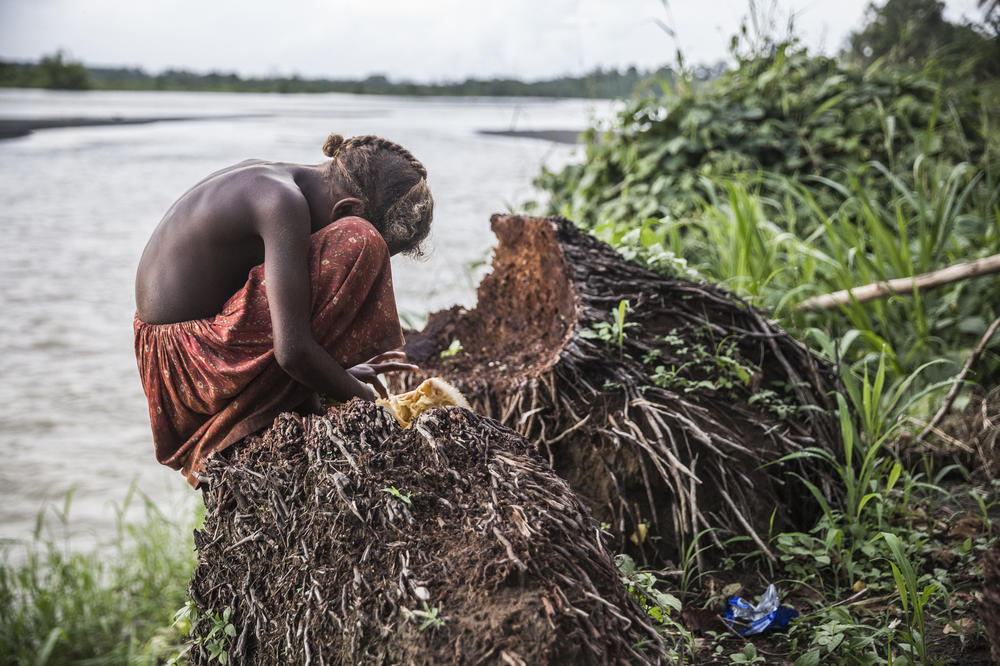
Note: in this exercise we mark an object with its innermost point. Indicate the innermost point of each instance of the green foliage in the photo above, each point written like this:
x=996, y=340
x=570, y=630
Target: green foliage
x=52, y=71
x=786, y=113
x=216, y=641
x=947, y=217
x=701, y=365
x=835, y=636
x=661, y=606
x=869, y=541
x=613, y=332
x=430, y=616
x=748, y=655
x=871, y=413
x=453, y=349
x=866, y=474
x=844, y=634
x=915, y=31
x=106, y=606
x=691, y=572
x=405, y=498
x=794, y=176
x=642, y=585
x=618, y=327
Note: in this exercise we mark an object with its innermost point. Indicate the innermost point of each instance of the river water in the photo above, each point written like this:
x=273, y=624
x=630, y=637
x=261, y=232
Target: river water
x=78, y=204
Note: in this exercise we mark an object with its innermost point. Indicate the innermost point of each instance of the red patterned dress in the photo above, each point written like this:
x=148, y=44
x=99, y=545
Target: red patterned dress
x=211, y=382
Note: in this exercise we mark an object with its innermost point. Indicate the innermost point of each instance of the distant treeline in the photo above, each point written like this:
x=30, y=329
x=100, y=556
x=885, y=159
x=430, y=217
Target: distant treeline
x=56, y=72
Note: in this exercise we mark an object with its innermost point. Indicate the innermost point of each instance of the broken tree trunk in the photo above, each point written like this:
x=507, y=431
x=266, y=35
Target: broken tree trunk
x=661, y=422
x=344, y=539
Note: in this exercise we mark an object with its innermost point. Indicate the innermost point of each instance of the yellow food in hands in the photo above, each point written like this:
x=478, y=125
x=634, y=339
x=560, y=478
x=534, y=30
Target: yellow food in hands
x=434, y=392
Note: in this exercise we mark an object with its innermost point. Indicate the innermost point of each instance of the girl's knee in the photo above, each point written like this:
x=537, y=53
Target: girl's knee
x=350, y=237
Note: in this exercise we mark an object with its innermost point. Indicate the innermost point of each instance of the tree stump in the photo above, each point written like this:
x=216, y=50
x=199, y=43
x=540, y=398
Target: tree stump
x=664, y=421
x=344, y=539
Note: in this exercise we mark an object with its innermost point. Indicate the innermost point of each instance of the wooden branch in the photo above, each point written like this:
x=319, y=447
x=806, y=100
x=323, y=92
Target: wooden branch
x=903, y=286
x=959, y=381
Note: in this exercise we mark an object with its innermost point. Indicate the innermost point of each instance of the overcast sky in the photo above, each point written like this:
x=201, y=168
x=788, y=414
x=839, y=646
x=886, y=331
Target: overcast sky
x=420, y=40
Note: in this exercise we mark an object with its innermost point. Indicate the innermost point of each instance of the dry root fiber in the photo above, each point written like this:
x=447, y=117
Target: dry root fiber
x=339, y=539
x=666, y=427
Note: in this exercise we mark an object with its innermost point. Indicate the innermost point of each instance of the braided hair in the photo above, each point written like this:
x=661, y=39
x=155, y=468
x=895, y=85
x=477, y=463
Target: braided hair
x=390, y=182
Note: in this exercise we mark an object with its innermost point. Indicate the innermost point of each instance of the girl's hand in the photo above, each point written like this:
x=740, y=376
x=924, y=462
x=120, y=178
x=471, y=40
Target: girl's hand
x=369, y=371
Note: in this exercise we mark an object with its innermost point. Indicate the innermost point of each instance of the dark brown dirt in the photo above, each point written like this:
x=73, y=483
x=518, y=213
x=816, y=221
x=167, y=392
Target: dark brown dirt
x=989, y=605
x=321, y=564
x=682, y=455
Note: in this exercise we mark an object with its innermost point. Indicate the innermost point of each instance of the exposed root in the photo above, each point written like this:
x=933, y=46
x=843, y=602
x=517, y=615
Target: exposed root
x=346, y=540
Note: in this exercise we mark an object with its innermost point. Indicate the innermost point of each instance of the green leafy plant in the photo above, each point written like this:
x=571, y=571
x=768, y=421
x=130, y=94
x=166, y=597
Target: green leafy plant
x=453, y=349
x=834, y=635
x=784, y=111
x=657, y=604
x=984, y=509
x=748, y=655
x=430, y=616
x=660, y=606
x=405, y=498
x=216, y=640
x=613, y=332
x=913, y=598
x=184, y=620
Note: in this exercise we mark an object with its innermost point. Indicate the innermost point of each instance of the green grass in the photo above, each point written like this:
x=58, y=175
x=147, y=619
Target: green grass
x=777, y=253
x=113, y=604
x=877, y=579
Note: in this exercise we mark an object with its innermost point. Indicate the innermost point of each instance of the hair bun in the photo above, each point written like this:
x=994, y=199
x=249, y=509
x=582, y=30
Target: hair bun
x=332, y=144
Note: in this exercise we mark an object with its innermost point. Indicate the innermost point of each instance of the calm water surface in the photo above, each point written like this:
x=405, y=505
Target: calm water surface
x=78, y=204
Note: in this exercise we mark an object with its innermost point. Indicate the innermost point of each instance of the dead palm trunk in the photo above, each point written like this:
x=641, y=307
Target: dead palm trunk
x=662, y=425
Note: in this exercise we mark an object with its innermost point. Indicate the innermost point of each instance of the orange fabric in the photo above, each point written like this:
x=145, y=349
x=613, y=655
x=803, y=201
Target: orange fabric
x=211, y=382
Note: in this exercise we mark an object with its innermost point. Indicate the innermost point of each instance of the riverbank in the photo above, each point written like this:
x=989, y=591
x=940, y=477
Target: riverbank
x=554, y=135
x=12, y=128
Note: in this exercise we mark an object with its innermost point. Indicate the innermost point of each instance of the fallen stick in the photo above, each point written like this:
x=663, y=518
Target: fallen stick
x=959, y=381
x=869, y=292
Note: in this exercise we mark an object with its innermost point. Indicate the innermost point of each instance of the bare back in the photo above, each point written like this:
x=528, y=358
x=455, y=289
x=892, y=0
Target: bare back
x=202, y=251
x=258, y=212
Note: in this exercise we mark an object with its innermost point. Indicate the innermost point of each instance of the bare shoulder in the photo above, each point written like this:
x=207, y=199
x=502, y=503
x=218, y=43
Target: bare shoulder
x=273, y=194
x=253, y=187
x=221, y=174
x=253, y=198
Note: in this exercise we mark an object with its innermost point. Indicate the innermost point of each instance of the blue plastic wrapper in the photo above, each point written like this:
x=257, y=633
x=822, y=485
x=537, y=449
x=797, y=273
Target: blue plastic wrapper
x=768, y=614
